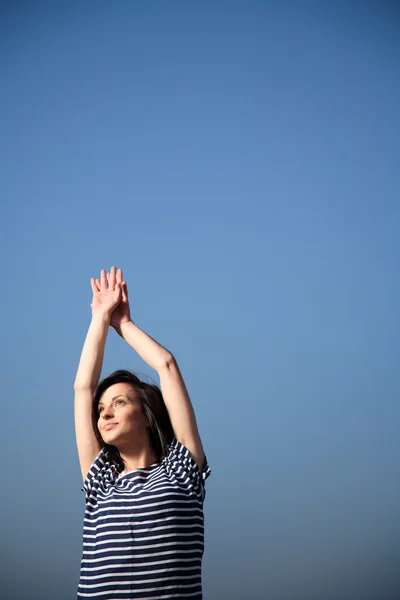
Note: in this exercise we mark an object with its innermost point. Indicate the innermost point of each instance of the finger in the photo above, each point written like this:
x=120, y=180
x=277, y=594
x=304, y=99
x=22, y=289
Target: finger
x=103, y=278
x=94, y=286
x=98, y=284
x=124, y=291
x=112, y=279
x=119, y=276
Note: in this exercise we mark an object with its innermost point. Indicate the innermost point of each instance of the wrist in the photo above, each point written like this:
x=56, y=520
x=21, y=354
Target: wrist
x=98, y=317
x=121, y=326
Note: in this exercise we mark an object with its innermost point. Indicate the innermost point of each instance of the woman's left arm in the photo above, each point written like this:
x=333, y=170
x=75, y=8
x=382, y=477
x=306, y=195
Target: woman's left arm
x=173, y=387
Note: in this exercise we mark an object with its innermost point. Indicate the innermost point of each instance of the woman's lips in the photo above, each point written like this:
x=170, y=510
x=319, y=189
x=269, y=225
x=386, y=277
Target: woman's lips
x=109, y=425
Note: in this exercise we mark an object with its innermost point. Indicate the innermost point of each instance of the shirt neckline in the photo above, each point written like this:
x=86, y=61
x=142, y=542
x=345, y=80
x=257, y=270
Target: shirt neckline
x=123, y=473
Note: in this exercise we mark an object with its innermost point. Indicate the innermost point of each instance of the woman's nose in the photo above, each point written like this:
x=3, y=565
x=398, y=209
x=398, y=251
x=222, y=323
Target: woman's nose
x=107, y=412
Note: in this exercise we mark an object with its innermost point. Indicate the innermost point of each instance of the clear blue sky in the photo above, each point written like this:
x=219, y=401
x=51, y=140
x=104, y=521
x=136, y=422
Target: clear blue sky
x=240, y=161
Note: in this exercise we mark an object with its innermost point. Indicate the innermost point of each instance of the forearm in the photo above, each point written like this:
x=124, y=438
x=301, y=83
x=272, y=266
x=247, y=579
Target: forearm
x=155, y=355
x=91, y=360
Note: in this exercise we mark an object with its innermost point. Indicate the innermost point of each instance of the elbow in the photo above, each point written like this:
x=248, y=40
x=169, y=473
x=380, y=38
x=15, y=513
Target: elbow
x=167, y=361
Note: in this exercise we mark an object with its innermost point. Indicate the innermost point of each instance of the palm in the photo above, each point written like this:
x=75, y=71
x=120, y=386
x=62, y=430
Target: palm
x=120, y=314
x=105, y=299
x=112, y=300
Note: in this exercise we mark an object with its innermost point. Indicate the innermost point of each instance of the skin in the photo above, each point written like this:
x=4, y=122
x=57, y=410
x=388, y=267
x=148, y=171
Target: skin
x=119, y=303
x=119, y=404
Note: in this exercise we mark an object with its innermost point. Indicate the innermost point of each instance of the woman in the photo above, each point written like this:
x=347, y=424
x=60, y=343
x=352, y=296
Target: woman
x=142, y=462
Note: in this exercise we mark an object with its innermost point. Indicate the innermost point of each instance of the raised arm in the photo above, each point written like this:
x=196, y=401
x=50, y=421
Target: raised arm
x=89, y=369
x=173, y=387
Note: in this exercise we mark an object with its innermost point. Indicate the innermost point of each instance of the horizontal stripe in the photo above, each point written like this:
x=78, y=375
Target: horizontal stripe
x=184, y=526
x=141, y=564
x=179, y=593
x=149, y=555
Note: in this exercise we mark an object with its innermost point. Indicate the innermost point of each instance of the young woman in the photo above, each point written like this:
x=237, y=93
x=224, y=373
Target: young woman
x=143, y=465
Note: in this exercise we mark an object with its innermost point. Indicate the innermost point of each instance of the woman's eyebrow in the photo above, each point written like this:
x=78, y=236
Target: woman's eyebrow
x=112, y=399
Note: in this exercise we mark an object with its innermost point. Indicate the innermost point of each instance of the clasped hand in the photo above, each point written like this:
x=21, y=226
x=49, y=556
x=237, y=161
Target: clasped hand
x=111, y=301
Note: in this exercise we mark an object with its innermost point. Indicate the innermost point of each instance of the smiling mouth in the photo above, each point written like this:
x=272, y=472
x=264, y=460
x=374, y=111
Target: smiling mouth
x=109, y=426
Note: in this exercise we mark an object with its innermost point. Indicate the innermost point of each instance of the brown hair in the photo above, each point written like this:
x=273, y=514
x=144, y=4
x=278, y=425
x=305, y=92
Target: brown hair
x=153, y=408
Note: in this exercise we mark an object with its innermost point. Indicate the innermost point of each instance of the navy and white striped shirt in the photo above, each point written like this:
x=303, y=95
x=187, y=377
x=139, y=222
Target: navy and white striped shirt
x=143, y=531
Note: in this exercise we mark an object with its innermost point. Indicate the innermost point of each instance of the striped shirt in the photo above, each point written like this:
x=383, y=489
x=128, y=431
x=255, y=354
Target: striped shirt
x=143, y=531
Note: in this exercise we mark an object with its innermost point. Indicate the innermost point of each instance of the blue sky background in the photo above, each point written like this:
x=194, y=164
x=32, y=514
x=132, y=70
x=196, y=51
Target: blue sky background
x=240, y=161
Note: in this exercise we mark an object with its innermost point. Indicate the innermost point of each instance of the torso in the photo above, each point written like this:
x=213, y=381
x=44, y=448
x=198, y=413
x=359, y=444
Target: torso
x=143, y=532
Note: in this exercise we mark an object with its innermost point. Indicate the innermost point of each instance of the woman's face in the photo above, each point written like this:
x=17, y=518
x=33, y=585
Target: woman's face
x=120, y=415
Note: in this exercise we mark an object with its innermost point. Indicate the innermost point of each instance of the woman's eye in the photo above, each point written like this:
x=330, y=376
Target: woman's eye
x=101, y=409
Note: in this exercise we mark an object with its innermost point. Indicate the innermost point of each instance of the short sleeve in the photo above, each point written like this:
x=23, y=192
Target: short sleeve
x=100, y=473
x=180, y=458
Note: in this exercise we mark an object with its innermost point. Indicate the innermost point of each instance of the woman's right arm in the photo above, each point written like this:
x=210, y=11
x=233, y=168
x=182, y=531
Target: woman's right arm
x=89, y=369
